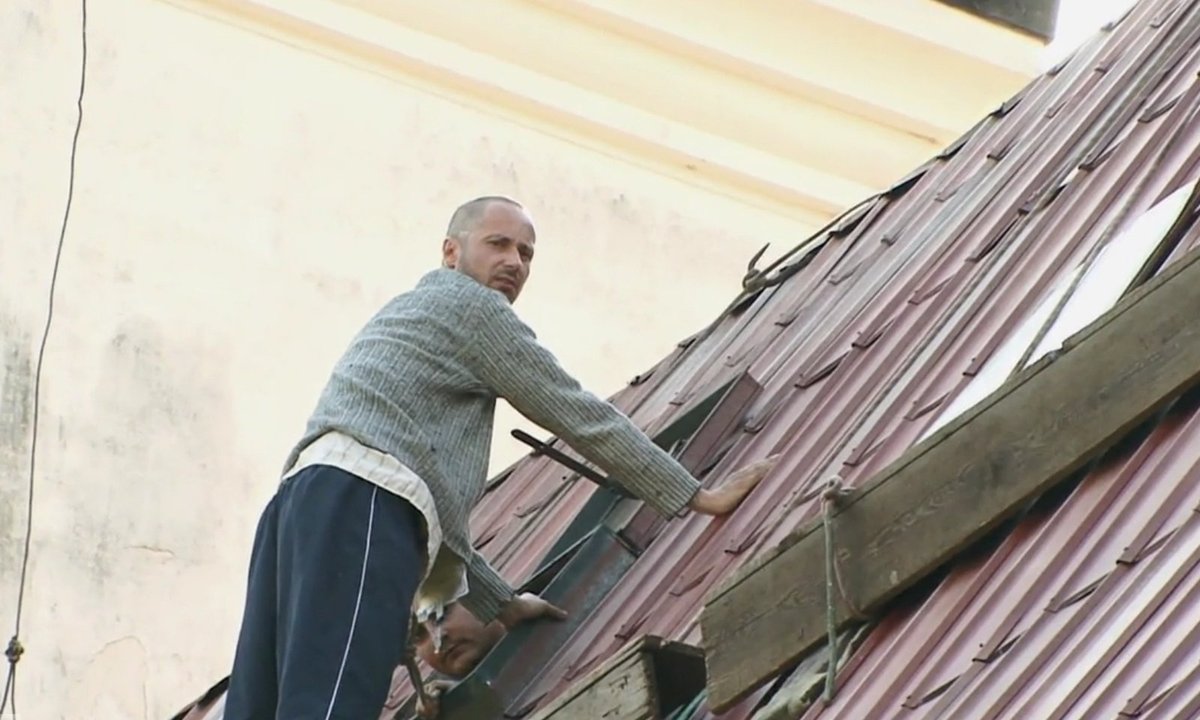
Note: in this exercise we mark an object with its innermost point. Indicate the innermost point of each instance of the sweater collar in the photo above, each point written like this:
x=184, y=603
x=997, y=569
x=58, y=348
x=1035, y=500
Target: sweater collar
x=443, y=276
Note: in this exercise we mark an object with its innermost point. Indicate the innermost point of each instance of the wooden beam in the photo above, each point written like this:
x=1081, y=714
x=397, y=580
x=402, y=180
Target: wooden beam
x=949, y=490
x=647, y=680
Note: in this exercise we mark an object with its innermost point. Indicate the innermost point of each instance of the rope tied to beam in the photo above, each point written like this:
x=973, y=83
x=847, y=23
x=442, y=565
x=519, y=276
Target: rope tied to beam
x=833, y=496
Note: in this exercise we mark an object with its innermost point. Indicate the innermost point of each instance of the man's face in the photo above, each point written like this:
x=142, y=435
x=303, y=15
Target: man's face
x=497, y=252
x=465, y=641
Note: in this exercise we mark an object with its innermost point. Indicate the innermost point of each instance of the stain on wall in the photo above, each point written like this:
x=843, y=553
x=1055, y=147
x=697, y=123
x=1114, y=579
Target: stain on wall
x=159, y=402
x=16, y=416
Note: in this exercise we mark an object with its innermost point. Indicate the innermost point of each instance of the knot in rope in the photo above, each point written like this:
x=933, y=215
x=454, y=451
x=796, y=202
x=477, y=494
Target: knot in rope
x=14, y=651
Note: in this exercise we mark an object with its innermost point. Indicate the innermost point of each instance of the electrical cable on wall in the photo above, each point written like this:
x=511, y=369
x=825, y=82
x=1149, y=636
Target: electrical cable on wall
x=14, y=650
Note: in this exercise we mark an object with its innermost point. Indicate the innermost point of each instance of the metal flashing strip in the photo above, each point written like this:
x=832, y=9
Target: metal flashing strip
x=497, y=684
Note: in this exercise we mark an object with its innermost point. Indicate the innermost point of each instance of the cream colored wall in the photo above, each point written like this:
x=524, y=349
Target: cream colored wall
x=240, y=207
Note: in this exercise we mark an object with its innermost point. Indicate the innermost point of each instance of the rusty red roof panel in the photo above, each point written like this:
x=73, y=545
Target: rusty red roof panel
x=1062, y=618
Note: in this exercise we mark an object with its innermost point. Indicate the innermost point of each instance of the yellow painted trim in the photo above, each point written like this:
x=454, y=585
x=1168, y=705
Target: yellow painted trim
x=804, y=61
x=555, y=107
x=661, y=84
x=766, y=126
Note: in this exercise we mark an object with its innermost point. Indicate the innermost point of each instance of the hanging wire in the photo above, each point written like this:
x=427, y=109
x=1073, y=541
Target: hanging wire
x=15, y=649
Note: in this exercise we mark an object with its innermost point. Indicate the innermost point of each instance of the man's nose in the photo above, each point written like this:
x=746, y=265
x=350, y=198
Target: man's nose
x=512, y=261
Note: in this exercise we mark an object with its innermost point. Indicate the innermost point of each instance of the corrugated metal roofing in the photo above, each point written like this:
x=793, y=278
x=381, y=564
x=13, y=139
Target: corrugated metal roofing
x=1086, y=609
x=1081, y=610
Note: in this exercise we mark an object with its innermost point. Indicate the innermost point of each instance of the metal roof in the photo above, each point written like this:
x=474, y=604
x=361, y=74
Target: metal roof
x=882, y=322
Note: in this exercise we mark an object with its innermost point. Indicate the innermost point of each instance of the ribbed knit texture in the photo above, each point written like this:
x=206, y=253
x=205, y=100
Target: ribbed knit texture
x=420, y=380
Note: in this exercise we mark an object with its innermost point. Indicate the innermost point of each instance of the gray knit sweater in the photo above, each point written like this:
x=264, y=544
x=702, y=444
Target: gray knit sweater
x=420, y=380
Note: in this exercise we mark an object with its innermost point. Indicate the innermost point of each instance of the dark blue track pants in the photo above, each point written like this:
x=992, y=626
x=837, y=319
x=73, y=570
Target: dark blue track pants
x=335, y=565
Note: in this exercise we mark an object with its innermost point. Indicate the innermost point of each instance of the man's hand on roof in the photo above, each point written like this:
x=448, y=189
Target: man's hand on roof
x=527, y=606
x=725, y=499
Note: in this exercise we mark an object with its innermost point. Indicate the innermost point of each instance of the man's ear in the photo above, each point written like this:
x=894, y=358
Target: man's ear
x=450, y=252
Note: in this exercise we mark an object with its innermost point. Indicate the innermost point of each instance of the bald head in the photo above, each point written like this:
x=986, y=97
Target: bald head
x=468, y=215
x=491, y=239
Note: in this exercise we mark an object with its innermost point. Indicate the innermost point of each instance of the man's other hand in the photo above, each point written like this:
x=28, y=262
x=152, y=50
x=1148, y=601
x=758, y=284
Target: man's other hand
x=725, y=499
x=527, y=606
x=434, y=689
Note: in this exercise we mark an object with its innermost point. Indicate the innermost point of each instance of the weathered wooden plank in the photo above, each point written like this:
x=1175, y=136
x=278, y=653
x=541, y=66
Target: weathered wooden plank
x=645, y=680
x=624, y=692
x=949, y=490
x=619, y=688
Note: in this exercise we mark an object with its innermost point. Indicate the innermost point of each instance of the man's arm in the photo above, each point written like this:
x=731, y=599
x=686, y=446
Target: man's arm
x=488, y=593
x=507, y=357
x=491, y=598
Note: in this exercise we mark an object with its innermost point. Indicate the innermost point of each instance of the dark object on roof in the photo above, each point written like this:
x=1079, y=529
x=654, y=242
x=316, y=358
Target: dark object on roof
x=1036, y=17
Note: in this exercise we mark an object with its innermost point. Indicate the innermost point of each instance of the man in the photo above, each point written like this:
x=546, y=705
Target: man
x=462, y=643
x=371, y=518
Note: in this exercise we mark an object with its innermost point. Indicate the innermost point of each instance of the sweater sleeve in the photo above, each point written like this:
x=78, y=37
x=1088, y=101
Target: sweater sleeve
x=505, y=355
x=487, y=592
